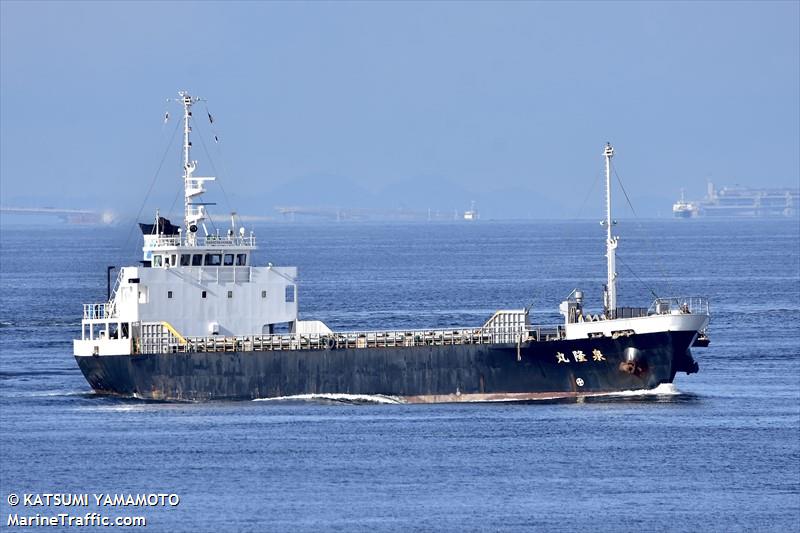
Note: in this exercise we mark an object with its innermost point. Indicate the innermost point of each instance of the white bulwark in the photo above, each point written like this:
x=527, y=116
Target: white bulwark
x=190, y=283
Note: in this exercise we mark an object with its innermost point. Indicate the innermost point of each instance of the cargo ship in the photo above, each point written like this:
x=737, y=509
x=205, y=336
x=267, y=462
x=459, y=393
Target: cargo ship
x=197, y=320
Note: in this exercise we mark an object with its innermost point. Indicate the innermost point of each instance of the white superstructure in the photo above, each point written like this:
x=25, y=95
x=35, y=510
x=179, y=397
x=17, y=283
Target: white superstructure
x=191, y=283
x=684, y=209
x=472, y=214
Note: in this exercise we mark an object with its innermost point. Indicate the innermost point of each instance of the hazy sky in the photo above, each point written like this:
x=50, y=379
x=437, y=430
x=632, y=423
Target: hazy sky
x=406, y=103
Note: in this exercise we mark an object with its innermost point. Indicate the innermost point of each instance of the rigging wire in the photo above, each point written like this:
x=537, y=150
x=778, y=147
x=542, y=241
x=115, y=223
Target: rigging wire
x=571, y=230
x=222, y=159
x=178, y=192
x=213, y=168
x=659, y=262
x=621, y=186
x=645, y=285
x=588, y=194
x=211, y=163
x=152, y=183
x=170, y=213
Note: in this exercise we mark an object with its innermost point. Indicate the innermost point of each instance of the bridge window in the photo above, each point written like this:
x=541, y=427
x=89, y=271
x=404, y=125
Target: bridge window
x=263, y=294
x=230, y=294
x=204, y=294
x=186, y=259
x=241, y=259
x=169, y=294
x=156, y=260
x=213, y=259
x=197, y=260
x=228, y=260
x=290, y=293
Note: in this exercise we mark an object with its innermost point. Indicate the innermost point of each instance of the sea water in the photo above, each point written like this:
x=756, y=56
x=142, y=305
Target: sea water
x=717, y=451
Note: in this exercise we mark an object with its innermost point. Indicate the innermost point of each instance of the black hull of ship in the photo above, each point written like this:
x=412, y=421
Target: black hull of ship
x=469, y=372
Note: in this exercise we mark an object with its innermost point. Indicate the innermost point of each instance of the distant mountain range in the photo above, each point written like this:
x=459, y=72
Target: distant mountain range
x=419, y=194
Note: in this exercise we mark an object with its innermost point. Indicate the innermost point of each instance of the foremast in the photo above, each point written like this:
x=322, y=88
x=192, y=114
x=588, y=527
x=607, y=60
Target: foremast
x=610, y=292
x=193, y=186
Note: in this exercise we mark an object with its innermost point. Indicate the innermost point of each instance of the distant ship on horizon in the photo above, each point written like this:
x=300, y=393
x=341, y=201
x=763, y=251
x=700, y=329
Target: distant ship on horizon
x=741, y=202
x=472, y=213
x=684, y=209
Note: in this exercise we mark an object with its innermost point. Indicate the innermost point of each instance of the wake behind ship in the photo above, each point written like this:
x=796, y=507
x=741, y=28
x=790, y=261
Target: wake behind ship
x=197, y=320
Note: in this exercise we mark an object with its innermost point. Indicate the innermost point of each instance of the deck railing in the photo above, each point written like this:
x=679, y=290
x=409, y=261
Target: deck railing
x=209, y=241
x=155, y=339
x=98, y=311
x=696, y=305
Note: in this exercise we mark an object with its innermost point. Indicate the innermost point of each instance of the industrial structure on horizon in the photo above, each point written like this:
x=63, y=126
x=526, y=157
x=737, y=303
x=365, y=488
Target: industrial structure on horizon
x=339, y=214
x=69, y=216
x=741, y=202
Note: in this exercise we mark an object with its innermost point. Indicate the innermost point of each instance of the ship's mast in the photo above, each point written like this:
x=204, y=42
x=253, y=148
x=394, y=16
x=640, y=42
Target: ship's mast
x=193, y=212
x=187, y=102
x=610, y=293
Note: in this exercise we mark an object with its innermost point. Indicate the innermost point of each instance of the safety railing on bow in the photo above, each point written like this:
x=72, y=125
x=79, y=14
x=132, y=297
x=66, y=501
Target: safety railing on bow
x=695, y=305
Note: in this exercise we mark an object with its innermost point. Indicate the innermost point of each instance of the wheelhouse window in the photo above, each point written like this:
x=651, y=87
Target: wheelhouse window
x=169, y=294
x=157, y=261
x=203, y=294
x=228, y=260
x=241, y=259
x=263, y=294
x=197, y=260
x=289, y=293
x=186, y=260
x=213, y=259
x=230, y=294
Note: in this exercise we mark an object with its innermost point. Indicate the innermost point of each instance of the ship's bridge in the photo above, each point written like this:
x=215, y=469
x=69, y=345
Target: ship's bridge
x=165, y=247
x=167, y=251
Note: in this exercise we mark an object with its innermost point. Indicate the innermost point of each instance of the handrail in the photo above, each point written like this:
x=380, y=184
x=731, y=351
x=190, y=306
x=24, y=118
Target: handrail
x=112, y=303
x=172, y=330
x=209, y=241
x=99, y=311
x=342, y=340
x=696, y=305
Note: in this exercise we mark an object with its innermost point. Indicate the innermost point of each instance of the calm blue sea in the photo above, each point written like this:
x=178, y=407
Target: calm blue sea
x=720, y=453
